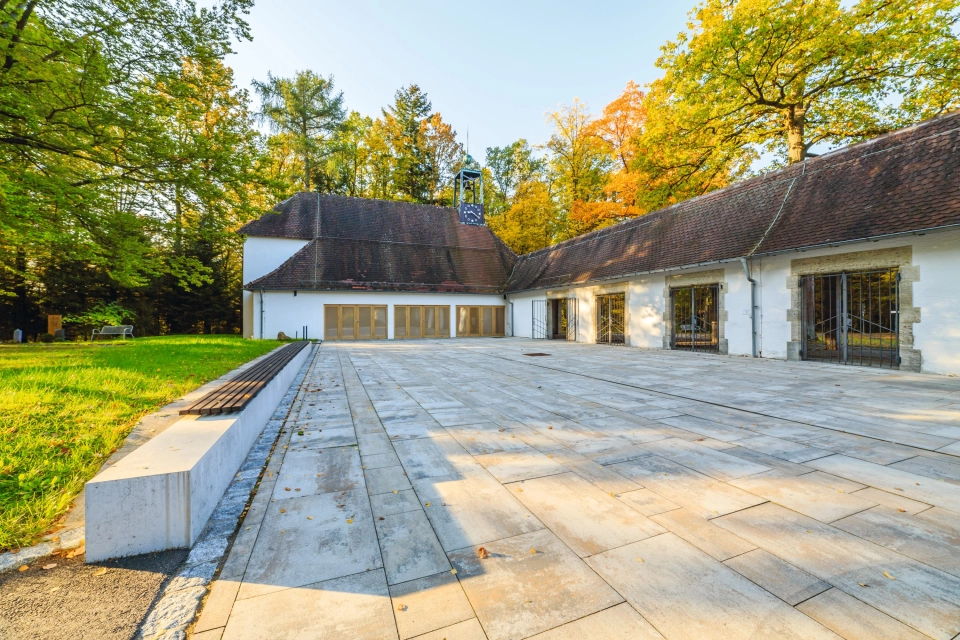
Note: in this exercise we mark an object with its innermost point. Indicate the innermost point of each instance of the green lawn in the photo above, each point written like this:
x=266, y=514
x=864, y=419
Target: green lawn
x=64, y=408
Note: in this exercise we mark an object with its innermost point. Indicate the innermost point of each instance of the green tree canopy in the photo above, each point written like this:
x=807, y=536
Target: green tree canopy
x=307, y=110
x=784, y=75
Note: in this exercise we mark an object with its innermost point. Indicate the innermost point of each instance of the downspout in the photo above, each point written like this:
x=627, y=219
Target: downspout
x=261, y=314
x=753, y=306
x=746, y=266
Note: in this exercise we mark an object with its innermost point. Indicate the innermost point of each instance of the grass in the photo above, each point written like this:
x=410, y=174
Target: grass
x=64, y=408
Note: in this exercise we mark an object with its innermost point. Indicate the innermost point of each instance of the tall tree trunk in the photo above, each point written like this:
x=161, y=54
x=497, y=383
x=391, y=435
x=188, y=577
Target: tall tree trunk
x=21, y=306
x=306, y=173
x=796, y=118
x=178, y=226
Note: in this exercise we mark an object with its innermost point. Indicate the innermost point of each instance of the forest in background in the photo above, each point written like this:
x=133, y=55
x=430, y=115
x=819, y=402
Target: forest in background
x=129, y=156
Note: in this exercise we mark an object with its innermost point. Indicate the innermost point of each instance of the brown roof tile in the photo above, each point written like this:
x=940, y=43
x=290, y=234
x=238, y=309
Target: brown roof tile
x=381, y=245
x=899, y=183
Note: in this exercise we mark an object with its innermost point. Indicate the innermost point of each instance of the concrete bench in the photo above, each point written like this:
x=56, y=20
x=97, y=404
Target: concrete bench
x=124, y=330
x=161, y=495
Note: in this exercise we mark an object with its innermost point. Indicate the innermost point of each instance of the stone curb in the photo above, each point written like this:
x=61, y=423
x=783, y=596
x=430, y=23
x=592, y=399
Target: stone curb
x=176, y=606
x=72, y=534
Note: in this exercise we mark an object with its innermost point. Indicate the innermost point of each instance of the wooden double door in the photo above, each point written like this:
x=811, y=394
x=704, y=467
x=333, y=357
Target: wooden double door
x=477, y=321
x=420, y=321
x=354, y=322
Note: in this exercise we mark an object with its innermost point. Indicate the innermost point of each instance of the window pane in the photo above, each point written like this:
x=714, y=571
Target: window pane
x=443, y=322
x=462, y=320
x=346, y=323
x=399, y=322
x=379, y=322
x=414, y=322
x=429, y=322
x=487, y=321
x=330, y=321
x=365, y=322
x=474, y=321
x=498, y=329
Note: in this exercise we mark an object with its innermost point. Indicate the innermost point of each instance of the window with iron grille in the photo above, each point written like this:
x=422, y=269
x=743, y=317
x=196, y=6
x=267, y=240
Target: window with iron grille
x=852, y=318
x=611, y=312
x=696, y=325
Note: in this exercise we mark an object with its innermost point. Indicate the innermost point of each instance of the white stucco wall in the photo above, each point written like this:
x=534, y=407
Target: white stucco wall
x=523, y=312
x=937, y=294
x=283, y=311
x=645, y=317
x=260, y=257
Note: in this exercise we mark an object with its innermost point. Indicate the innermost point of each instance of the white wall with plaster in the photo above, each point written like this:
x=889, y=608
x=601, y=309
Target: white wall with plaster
x=289, y=313
x=260, y=257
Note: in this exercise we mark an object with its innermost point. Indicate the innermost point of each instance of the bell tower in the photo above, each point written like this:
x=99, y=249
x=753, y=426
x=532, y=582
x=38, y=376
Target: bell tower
x=468, y=195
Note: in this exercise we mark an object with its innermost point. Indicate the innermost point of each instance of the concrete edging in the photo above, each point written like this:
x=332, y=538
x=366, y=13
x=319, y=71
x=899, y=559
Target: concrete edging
x=161, y=495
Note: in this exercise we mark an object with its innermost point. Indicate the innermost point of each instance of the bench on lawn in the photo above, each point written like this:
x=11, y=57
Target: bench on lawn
x=161, y=495
x=123, y=330
x=243, y=387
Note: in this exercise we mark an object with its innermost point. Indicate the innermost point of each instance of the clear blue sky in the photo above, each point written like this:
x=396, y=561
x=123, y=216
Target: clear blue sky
x=493, y=67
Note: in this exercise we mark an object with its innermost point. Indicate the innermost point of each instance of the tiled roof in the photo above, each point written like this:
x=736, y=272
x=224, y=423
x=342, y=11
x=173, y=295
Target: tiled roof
x=902, y=182
x=381, y=245
x=905, y=181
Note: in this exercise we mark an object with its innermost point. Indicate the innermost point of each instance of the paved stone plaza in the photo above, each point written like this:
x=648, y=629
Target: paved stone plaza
x=615, y=493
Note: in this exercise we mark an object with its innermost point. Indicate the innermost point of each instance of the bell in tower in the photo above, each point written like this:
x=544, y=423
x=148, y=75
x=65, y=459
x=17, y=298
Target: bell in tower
x=468, y=195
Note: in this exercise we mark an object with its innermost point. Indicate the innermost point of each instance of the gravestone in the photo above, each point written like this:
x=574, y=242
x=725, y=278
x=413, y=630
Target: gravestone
x=54, y=323
x=59, y=335
x=18, y=336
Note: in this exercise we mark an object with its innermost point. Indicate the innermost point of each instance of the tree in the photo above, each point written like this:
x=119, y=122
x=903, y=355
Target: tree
x=532, y=221
x=511, y=166
x=308, y=110
x=85, y=148
x=618, y=126
x=580, y=165
x=404, y=122
x=784, y=75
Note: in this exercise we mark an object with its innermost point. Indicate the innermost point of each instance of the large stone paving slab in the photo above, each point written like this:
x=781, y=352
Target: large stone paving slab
x=583, y=516
x=312, y=539
x=356, y=607
x=528, y=584
x=722, y=497
x=686, y=594
x=916, y=594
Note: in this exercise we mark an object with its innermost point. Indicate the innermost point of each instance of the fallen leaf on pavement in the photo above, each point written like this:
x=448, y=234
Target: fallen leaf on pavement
x=349, y=520
x=888, y=575
x=309, y=517
x=401, y=607
x=100, y=571
x=47, y=567
x=395, y=491
x=453, y=571
x=23, y=568
x=283, y=510
x=482, y=553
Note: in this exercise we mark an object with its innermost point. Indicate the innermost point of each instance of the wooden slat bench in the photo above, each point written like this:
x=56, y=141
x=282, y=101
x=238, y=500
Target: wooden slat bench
x=237, y=392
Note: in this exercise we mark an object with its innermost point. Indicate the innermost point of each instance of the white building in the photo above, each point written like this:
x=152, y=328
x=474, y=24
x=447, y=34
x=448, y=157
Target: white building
x=852, y=257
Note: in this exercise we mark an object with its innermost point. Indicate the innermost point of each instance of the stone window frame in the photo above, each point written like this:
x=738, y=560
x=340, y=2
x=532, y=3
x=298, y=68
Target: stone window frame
x=853, y=262
x=714, y=276
x=603, y=290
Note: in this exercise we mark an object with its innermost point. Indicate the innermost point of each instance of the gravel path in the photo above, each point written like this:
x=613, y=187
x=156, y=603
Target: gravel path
x=76, y=600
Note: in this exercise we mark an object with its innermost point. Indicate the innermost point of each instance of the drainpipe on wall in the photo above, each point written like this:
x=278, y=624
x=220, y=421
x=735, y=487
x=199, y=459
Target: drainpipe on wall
x=261, y=314
x=753, y=306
